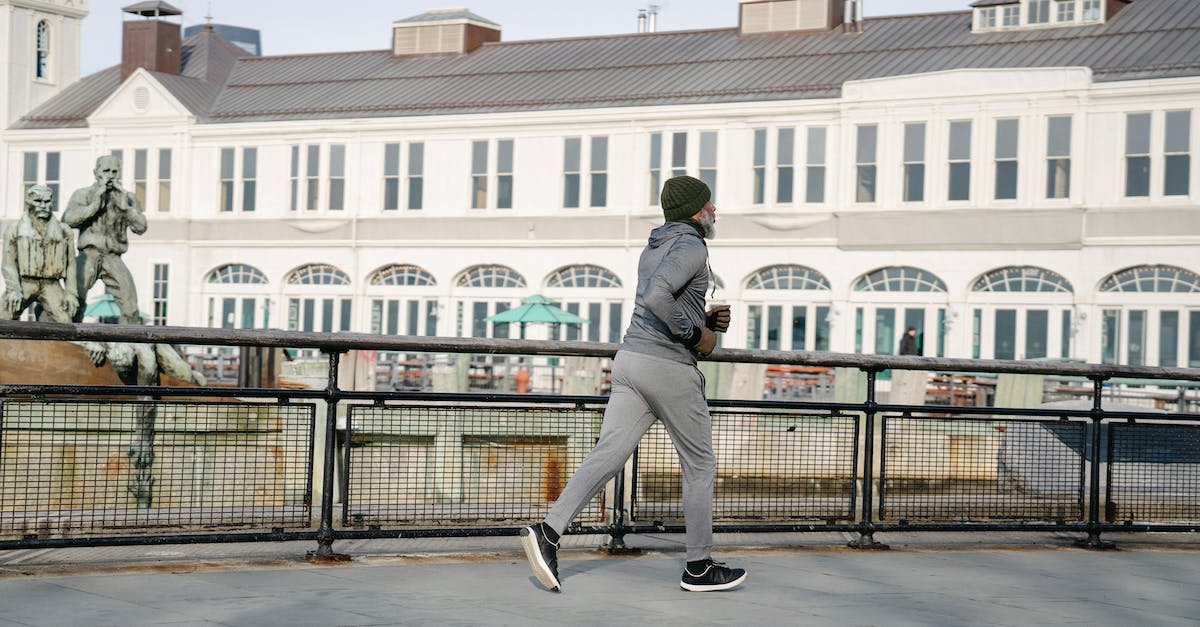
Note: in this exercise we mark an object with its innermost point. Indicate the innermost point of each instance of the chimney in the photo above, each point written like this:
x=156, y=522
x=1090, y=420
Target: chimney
x=442, y=31
x=852, y=19
x=652, y=25
x=641, y=20
x=151, y=42
x=780, y=16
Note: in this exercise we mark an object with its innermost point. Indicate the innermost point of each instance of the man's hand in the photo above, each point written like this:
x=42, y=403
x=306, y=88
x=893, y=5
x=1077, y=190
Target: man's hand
x=72, y=305
x=717, y=318
x=708, y=341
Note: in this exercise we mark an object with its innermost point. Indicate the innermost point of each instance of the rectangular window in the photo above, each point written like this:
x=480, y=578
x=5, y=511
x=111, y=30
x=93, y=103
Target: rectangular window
x=885, y=331
x=959, y=158
x=1177, y=160
x=1066, y=335
x=337, y=177
x=679, y=154
x=312, y=180
x=1168, y=339
x=1193, y=339
x=161, y=272
x=164, y=179
x=784, y=171
x=914, y=162
x=708, y=160
x=615, y=318
x=1037, y=330
x=53, y=175
x=753, y=319
x=1058, y=157
x=1039, y=11
x=1005, y=334
x=595, y=311
x=976, y=333
x=29, y=173
x=799, y=326
x=655, y=168
x=858, y=330
x=141, y=166
x=1006, y=158
x=1066, y=11
x=822, y=339
x=1110, y=334
x=572, y=329
x=1137, y=155
x=1092, y=11
x=1011, y=15
x=226, y=202
x=865, y=159
x=599, y=171
x=759, y=170
x=248, y=306
x=814, y=191
x=345, y=314
x=941, y=332
x=987, y=17
x=774, y=324
x=479, y=174
x=571, y=168
x=504, y=174
x=1135, y=343
x=416, y=175
x=391, y=177
x=249, y=179
x=295, y=180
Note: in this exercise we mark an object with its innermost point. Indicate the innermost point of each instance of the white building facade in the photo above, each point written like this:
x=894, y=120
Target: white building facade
x=1005, y=209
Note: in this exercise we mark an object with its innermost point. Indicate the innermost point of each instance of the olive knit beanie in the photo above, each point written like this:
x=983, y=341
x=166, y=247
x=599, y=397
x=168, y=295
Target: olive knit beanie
x=683, y=196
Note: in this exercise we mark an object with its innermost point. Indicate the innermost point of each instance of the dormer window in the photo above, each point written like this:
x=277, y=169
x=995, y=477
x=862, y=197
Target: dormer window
x=43, y=50
x=1010, y=14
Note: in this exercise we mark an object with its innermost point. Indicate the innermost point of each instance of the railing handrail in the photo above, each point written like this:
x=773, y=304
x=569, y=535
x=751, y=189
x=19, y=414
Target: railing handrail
x=342, y=342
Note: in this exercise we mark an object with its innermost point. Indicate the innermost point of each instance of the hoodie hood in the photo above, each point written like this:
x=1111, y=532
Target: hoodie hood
x=670, y=231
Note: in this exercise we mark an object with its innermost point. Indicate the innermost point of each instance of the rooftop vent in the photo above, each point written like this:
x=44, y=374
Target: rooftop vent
x=442, y=31
x=776, y=16
x=152, y=43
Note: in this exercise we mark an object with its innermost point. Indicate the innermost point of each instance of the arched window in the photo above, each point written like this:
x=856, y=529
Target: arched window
x=402, y=276
x=787, y=277
x=43, y=49
x=490, y=276
x=899, y=279
x=583, y=276
x=1156, y=279
x=317, y=274
x=1022, y=279
x=237, y=274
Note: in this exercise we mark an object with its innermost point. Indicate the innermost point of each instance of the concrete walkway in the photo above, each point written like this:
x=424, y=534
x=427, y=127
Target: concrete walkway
x=422, y=582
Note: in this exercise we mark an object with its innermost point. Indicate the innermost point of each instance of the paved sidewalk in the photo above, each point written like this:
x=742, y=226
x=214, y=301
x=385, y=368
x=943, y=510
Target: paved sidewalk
x=418, y=582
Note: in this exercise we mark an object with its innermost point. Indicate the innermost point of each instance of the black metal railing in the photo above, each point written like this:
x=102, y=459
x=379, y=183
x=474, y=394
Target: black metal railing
x=103, y=465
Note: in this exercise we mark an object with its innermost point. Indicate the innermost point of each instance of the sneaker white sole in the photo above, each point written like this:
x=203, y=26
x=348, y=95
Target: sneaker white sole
x=691, y=587
x=537, y=563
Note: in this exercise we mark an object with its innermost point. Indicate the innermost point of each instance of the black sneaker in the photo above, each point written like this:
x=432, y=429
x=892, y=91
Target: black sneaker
x=542, y=555
x=715, y=576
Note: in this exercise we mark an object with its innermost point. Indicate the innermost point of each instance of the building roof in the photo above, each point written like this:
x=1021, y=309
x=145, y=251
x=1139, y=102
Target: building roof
x=1148, y=39
x=446, y=15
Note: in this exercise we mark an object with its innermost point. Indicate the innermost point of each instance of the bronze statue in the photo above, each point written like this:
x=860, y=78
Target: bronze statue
x=102, y=212
x=39, y=257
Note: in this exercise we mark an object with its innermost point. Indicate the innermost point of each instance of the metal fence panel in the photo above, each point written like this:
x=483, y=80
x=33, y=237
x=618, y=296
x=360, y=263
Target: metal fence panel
x=1154, y=473
x=956, y=470
x=770, y=466
x=87, y=468
x=463, y=466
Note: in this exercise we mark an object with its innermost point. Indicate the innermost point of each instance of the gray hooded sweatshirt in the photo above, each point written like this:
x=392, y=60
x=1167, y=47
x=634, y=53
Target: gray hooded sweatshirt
x=669, y=310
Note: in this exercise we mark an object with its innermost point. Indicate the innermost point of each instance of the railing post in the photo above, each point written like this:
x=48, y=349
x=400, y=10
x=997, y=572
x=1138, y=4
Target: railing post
x=325, y=533
x=617, y=529
x=866, y=527
x=1093, y=540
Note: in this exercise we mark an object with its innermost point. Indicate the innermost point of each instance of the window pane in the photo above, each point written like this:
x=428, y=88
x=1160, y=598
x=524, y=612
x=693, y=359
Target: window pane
x=1109, y=334
x=504, y=156
x=1037, y=333
x=614, y=322
x=914, y=142
x=1193, y=339
x=753, y=320
x=314, y=160
x=799, y=324
x=1136, y=341
x=391, y=194
x=760, y=146
x=226, y=163
x=885, y=331
x=866, y=144
x=1177, y=170
x=787, y=140
x=960, y=181
x=53, y=159
x=479, y=157
x=679, y=150
x=571, y=154
x=599, y=190
x=960, y=141
x=914, y=182
x=1006, y=334
x=815, y=192
x=1006, y=138
x=1058, y=137
x=599, y=156
x=784, y=185
x=865, y=188
x=504, y=192
x=571, y=190
x=1137, y=176
x=1006, y=180
x=1066, y=335
x=774, y=324
x=479, y=191
x=416, y=190
x=1058, y=178
x=1137, y=134
x=391, y=160
x=822, y=339
x=249, y=191
x=708, y=149
x=337, y=160
x=1168, y=339
x=140, y=158
x=30, y=175
x=816, y=146
x=1179, y=131
x=337, y=188
x=416, y=159
x=249, y=163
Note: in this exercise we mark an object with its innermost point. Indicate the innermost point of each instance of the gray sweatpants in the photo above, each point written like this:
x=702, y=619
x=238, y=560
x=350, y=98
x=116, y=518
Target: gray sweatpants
x=645, y=388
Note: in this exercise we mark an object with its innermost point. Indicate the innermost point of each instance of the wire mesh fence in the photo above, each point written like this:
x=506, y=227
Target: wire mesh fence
x=770, y=466
x=463, y=466
x=1153, y=473
x=960, y=470
x=77, y=468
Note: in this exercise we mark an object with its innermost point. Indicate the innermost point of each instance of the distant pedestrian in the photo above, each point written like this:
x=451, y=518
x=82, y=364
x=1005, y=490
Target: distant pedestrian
x=654, y=377
x=909, y=344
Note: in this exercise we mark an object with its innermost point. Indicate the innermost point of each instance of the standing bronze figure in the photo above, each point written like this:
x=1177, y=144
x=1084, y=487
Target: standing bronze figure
x=39, y=258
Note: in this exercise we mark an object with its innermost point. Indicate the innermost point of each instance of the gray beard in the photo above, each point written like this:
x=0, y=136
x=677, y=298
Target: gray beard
x=709, y=225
